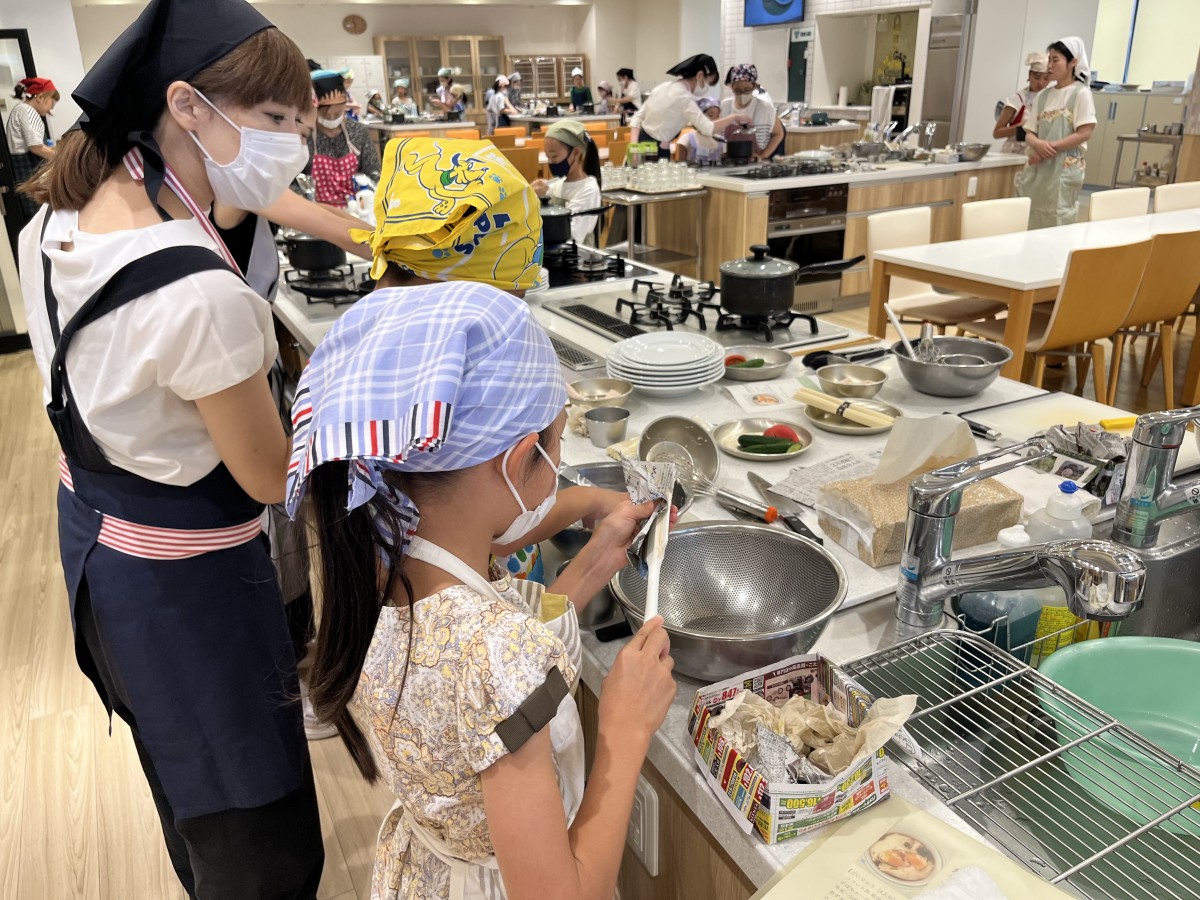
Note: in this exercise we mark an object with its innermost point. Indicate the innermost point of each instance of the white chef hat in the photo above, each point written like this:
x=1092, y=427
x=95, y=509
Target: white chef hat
x=577, y=71
x=1037, y=62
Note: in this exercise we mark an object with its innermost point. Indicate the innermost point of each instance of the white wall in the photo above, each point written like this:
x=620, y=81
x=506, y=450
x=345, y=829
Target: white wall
x=318, y=31
x=56, y=54
x=1164, y=41
x=657, y=27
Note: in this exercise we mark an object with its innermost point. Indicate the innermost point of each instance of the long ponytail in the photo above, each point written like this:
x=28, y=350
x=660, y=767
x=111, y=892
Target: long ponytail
x=591, y=159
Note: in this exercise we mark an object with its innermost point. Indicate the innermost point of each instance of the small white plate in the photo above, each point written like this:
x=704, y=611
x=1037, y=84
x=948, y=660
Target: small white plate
x=726, y=437
x=625, y=362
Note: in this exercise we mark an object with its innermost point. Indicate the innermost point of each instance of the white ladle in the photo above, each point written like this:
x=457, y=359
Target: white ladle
x=896, y=324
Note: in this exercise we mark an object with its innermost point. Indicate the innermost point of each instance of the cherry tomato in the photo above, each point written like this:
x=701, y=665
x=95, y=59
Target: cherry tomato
x=733, y=359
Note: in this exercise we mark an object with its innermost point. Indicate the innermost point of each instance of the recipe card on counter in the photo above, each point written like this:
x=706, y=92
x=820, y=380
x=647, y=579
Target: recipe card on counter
x=897, y=852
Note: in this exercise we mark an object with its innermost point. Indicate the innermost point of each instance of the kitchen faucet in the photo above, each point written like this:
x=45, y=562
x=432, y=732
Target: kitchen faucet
x=1101, y=580
x=1148, y=496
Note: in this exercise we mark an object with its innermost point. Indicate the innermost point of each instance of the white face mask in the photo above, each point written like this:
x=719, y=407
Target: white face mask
x=528, y=519
x=265, y=165
x=332, y=123
x=701, y=87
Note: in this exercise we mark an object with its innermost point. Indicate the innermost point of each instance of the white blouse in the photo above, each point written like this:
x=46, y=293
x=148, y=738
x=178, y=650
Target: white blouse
x=578, y=195
x=137, y=372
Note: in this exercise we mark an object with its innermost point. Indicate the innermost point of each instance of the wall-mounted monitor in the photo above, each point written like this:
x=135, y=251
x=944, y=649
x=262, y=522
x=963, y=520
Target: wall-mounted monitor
x=772, y=12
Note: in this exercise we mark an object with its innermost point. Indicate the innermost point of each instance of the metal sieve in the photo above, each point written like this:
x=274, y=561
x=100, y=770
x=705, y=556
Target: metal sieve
x=737, y=596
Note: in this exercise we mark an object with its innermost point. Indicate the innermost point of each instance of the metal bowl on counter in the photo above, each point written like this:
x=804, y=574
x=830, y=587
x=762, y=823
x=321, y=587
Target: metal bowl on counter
x=850, y=380
x=691, y=436
x=737, y=596
x=592, y=392
x=775, y=363
x=609, y=475
x=942, y=380
x=868, y=149
x=972, y=152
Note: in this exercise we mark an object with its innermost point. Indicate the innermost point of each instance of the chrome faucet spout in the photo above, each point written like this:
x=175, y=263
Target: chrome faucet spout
x=1148, y=496
x=1101, y=580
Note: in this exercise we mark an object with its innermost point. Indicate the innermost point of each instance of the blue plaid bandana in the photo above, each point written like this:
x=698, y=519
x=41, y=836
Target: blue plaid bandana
x=433, y=378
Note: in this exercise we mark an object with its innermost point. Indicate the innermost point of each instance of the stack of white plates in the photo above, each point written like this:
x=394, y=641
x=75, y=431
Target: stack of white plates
x=667, y=363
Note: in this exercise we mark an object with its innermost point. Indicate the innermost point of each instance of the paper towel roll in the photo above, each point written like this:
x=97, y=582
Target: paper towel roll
x=843, y=95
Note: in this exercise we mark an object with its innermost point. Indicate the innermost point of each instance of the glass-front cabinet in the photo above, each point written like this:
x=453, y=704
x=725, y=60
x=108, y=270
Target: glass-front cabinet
x=477, y=60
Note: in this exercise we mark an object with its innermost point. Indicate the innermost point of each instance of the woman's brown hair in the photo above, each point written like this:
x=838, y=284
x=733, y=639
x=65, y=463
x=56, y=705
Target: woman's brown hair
x=266, y=67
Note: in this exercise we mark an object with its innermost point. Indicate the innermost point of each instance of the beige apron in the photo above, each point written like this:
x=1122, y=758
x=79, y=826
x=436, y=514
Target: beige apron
x=479, y=879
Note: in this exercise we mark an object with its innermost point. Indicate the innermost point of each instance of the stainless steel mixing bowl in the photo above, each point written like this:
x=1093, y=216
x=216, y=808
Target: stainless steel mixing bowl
x=692, y=436
x=736, y=596
x=951, y=380
x=609, y=475
x=972, y=152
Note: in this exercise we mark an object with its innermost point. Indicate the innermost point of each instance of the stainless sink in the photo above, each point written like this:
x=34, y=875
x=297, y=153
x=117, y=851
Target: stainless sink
x=1171, y=606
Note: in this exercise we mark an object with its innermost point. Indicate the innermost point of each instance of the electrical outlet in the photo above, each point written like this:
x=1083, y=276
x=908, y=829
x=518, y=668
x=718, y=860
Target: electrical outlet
x=972, y=186
x=642, y=836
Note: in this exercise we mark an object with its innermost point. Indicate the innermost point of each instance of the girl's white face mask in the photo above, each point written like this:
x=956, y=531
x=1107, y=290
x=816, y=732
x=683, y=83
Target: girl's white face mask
x=527, y=519
x=266, y=163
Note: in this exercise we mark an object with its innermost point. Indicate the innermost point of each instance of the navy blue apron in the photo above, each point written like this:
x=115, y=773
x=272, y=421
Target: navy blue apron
x=199, y=645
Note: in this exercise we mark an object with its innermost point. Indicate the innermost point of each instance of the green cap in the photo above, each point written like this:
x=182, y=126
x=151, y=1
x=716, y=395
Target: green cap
x=570, y=132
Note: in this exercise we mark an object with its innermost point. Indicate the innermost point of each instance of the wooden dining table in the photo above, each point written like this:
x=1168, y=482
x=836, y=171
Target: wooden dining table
x=1019, y=270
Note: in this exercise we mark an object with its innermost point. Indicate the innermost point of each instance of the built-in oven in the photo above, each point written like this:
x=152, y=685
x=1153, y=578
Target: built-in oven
x=807, y=225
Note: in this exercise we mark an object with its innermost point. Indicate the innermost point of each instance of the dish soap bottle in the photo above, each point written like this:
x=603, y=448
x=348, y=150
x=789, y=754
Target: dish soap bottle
x=1009, y=619
x=1061, y=519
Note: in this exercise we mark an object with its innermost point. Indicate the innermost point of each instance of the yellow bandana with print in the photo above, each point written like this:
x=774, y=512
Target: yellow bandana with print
x=451, y=210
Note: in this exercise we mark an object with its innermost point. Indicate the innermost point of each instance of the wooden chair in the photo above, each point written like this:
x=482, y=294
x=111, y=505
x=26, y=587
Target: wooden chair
x=617, y=151
x=463, y=134
x=595, y=126
x=503, y=141
x=511, y=131
x=534, y=144
x=599, y=139
x=1166, y=291
x=916, y=300
x=987, y=218
x=525, y=160
x=621, y=133
x=1170, y=197
x=1094, y=299
x=1119, y=204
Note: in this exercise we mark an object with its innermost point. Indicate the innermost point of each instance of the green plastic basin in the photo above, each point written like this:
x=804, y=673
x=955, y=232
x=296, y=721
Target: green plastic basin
x=1149, y=685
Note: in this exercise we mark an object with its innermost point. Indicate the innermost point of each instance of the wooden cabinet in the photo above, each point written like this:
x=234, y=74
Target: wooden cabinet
x=1125, y=113
x=477, y=60
x=691, y=864
x=732, y=222
x=940, y=194
x=548, y=78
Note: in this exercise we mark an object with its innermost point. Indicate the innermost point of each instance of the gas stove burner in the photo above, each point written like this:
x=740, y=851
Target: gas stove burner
x=763, y=326
x=339, y=287
x=598, y=262
x=724, y=162
x=793, y=168
x=657, y=292
x=668, y=305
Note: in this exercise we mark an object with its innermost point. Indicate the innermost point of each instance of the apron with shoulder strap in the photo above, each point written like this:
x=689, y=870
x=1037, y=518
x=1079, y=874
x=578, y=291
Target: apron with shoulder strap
x=180, y=584
x=1053, y=185
x=479, y=879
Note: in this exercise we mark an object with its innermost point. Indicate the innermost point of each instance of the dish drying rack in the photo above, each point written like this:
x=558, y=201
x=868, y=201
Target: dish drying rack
x=1005, y=748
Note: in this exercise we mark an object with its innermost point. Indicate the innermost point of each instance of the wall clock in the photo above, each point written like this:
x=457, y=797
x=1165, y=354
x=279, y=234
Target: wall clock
x=354, y=24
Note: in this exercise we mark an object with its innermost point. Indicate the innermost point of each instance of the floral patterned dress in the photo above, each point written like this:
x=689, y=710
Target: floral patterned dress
x=474, y=660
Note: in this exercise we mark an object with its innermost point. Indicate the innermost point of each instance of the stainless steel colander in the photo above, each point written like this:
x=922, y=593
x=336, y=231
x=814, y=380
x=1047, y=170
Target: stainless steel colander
x=737, y=596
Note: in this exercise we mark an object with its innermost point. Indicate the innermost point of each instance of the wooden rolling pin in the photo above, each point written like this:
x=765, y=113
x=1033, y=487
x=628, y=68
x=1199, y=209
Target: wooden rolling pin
x=847, y=409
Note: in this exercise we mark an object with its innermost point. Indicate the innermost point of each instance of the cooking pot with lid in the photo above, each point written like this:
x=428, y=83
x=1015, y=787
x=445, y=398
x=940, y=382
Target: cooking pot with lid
x=556, y=220
x=311, y=254
x=758, y=285
x=587, y=109
x=739, y=141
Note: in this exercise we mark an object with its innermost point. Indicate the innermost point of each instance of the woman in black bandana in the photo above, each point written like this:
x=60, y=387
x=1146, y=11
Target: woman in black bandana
x=154, y=351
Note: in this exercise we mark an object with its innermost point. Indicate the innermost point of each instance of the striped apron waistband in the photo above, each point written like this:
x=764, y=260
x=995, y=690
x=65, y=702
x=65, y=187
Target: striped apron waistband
x=151, y=542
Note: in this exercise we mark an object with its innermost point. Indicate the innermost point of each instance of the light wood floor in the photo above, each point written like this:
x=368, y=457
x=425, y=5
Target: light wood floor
x=76, y=819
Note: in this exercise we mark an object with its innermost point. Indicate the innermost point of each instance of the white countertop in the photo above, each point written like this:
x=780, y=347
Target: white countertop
x=893, y=171
x=1030, y=260
x=419, y=125
x=822, y=129
x=550, y=120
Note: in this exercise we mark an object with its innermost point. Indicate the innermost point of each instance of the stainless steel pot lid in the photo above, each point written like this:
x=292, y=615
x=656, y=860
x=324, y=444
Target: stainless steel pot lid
x=760, y=265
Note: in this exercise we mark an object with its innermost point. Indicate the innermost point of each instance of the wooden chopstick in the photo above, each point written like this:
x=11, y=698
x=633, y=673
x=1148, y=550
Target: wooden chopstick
x=855, y=412
x=843, y=345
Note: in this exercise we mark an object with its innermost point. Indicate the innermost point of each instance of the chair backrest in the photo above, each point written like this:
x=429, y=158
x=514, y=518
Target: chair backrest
x=679, y=150
x=503, y=141
x=1170, y=281
x=893, y=230
x=534, y=144
x=599, y=139
x=621, y=133
x=525, y=160
x=463, y=134
x=1169, y=197
x=512, y=130
x=595, y=126
x=1097, y=290
x=1119, y=204
x=985, y=218
x=617, y=151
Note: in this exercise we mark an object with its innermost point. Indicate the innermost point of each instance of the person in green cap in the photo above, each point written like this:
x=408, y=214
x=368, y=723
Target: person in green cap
x=575, y=164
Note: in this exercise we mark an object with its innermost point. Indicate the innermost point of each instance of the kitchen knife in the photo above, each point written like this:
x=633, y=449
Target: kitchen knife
x=979, y=429
x=788, y=508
